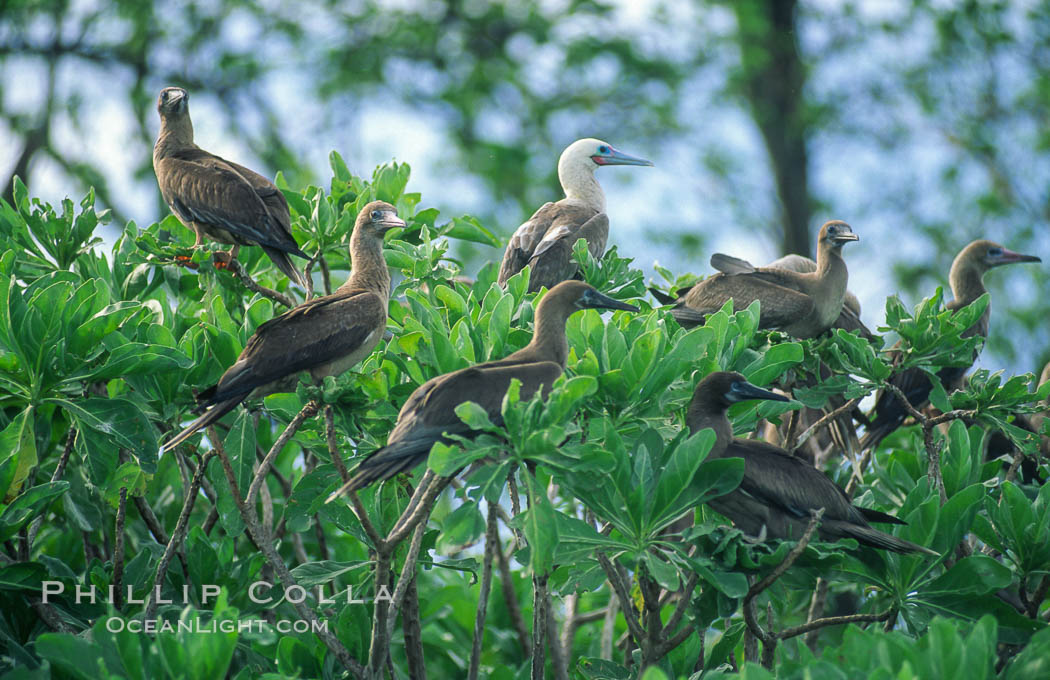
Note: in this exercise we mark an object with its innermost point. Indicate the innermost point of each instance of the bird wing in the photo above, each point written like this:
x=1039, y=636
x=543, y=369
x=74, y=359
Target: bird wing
x=315, y=333
x=562, y=218
x=728, y=264
x=781, y=305
x=275, y=203
x=552, y=262
x=778, y=478
x=431, y=410
x=201, y=187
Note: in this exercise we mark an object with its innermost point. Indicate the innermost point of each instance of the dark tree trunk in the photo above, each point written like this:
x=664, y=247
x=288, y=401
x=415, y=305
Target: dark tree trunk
x=773, y=80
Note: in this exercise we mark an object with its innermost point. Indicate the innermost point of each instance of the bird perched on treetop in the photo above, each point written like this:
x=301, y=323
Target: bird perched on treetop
x=779, y=492
x=219, y=198
x=966, y=279
x=325, y=335
x=803, y=305
x=545, y=241
x=430, y=411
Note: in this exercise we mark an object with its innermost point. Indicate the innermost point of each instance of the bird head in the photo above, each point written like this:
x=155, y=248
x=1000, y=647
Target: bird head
x=572, y=296
x=172, y=101
x=837, y=233
x=989, y=254
x=727, y=388
x=377, y=218
x=594, y=152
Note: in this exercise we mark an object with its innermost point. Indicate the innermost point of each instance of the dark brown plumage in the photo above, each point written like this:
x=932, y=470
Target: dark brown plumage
x=801, y=304
x=545, y=241
x=966, y=279
x=325, y=336
x=849, y=318
x=779, y=492
x=429, y=412
x=218, y=198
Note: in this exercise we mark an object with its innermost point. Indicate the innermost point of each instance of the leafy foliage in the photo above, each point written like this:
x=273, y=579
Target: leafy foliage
x=598, y=488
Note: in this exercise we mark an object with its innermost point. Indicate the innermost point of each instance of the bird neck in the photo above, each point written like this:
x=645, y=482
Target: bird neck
x=548, y=340
x=831, y=275
x=175, y=133
x=369, y=271
x=966, y=282
x=703, y=414
x=578, y=182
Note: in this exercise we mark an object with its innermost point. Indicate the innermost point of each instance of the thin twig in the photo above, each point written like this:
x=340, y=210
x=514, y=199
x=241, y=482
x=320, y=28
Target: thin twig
x=118, y=548
x=55, y=476
x=510, y=600
x=327, y=274
x=824, y=422
x=333, y=445
x=307, y=411
x=265, y=545
x=379, y=647
x=609, y=628
x=833, y=621
x=178, y=535
x=413, y=633
x=248, y=282
x=678, y=615
x=366, y=523
x=426, y=503
x=795, y=553
x=491, y=547
x=408, y=574
x=539, y=624
x=769, y=639
x=816, y=609
x=568, y=628
x=789, y=438
x=623, y=594
x=559, y=662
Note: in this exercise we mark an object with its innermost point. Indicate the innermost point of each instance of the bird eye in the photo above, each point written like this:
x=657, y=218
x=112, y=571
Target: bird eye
x=603, y=149
x=995, y=252
x=377, y=214
x=832, y=230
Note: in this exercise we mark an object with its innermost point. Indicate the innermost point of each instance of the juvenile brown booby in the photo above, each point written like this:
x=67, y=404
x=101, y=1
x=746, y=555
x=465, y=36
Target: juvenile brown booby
x=430, y=410
x=967, y=284
x=849, y=318
x=545, y=241
x=219, y=198
x=779, y=491
x=803, y=305
x=325, y=336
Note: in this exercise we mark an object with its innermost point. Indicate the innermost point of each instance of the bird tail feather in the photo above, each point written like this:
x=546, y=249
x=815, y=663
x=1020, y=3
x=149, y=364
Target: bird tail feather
x=662, y=297
x=210, y=417
x=385, y=463
x=284, y=263
x=874, y=538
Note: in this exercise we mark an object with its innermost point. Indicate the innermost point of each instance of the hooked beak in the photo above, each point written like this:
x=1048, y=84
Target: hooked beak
x=742, y=391
x=391, y=221
x=1009, y=257
x=615, y=157
x=592, y=299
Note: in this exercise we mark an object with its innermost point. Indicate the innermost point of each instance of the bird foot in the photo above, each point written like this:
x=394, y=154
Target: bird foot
x=185, y=261
x=755, y=540
x=223, y=260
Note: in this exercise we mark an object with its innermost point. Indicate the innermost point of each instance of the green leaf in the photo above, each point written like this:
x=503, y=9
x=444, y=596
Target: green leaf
x=541, y=528
x=467, y=228
x=27, y=505
x=18, y=448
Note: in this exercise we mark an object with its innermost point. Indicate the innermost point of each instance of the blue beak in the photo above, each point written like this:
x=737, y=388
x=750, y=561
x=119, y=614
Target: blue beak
x=615, y=157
